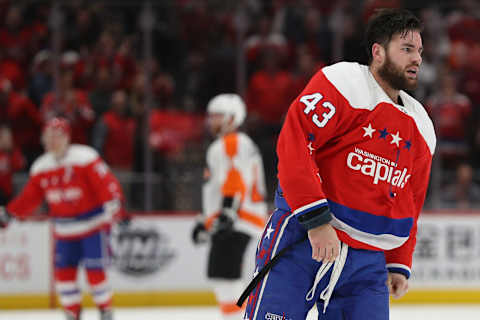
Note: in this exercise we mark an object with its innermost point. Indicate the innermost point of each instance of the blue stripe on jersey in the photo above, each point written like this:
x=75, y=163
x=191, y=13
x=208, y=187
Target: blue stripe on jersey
x=371, y=223
x=405, y=272
x=280, y=201
x=84, y=216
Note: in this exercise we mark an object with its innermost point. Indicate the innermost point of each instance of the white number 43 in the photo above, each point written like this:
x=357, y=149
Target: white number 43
x=310, y=101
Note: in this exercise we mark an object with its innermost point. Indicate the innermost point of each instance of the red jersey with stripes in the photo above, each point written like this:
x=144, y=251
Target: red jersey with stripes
x=81, y=192
x=345, y=144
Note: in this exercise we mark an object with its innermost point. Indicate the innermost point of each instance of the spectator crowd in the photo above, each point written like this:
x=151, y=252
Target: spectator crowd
x=91, y=68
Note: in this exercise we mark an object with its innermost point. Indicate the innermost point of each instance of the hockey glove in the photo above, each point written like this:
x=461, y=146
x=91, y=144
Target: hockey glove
x=199, y=233
x=4, y=218
x=223, y=223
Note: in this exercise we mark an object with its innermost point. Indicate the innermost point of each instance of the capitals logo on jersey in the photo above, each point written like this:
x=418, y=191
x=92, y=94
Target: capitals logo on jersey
x=380, y=168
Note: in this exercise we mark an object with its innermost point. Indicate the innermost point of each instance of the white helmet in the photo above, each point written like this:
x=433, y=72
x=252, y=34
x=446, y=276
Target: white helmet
x=228, y=104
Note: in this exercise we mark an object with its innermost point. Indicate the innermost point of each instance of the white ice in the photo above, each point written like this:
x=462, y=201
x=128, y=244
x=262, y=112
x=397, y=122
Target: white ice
x=423, y=312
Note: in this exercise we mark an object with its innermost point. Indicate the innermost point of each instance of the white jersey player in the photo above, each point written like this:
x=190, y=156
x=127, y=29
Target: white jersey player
x=234, y=209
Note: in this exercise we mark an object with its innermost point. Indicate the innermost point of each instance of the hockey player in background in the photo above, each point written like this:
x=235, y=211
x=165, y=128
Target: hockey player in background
x=234, y=209
x=83, y=199
x=354, y=161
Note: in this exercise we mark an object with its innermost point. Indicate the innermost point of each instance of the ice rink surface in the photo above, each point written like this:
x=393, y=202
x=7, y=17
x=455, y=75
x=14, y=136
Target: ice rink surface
x=437, y=312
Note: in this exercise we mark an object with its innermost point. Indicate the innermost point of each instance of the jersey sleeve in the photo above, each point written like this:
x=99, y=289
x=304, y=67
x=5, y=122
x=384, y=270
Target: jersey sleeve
x=105, y=185
x=259, y=189
x=29, y=199
x=314, y=118
x=212, y=182
x=399, y=260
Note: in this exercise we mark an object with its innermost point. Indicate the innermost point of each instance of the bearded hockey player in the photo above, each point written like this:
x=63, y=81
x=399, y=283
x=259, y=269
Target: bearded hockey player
x=354, y=161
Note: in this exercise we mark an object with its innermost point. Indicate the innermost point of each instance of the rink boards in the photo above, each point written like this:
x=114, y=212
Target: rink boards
x=155, y=263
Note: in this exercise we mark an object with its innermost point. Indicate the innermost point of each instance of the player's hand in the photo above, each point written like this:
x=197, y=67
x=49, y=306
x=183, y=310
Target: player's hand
x=4, y=217
x=124, y=223
x=324, y=242
x=397, y=284
x=223, y=223
x=199, y=233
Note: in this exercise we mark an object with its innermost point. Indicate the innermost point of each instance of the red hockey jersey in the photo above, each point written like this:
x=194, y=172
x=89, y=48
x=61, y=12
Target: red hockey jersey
x=345, y=144
x=82, y=194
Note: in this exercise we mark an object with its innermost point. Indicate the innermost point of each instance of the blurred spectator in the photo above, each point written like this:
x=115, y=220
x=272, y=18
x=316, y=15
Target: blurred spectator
x=315, y=33
x=196, y=24
x=124, y=65
x=451, y=113
x=428, y=77
x=15, y=35
x=41, y=81
x=221, y=56
x=73, y=104
x=193, y=80
x=23, y=118
x=113, y=136
x=100, y=95
x=464, y=193
x=265, y=38
x=12, y=70
x=90, y=60
x=370, y=6
x=306, y=67
x=21, y=36
x=470, y=85
x=11, y=160
x=352, y=36
x=463, y=32
x=270, y=92
x=82, y=30
x=137, y=103
x=171, y=131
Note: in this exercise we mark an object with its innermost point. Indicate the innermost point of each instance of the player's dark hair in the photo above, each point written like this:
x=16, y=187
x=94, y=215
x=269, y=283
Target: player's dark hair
x=386, y=23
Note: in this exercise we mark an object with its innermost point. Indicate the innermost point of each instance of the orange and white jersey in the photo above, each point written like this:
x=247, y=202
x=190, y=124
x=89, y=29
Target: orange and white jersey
x=235, y=169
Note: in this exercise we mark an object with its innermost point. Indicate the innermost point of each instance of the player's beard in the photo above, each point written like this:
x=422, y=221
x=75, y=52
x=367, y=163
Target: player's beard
x=395, y=75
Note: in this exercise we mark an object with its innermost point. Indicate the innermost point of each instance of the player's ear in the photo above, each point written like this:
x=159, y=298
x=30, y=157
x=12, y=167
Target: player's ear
x=378, y=53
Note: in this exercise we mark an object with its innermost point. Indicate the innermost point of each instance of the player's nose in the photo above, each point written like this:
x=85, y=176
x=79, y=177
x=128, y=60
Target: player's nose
x=417, y=58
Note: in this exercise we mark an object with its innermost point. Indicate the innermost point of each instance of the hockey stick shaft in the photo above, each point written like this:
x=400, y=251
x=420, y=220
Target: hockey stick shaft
x=255, y=281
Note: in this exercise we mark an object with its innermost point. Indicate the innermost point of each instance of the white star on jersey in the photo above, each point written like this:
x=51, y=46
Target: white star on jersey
x=256, y=272
x=396, y=139
x=310, y=148
x=369, y=130
x=269, y=231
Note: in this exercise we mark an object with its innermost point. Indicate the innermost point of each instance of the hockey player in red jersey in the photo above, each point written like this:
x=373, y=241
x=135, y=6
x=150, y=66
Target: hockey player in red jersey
x=354, y=160
x=83, y=199
x=234, y=209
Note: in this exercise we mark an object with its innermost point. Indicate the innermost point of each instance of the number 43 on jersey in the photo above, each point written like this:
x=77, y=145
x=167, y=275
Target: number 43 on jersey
x=311, y=101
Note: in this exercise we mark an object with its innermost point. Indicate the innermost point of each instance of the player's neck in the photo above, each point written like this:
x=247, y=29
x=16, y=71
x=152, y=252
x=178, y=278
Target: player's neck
x=391, y=93
x=60, y=153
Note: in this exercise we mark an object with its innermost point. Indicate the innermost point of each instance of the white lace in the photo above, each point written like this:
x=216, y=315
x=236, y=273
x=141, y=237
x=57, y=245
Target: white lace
x=337, y=270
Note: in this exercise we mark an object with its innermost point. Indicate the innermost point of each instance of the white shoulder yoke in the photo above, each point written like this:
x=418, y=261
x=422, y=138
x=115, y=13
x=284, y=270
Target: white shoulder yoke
x=77, y=155
x=350, y=80
x=358, y=86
